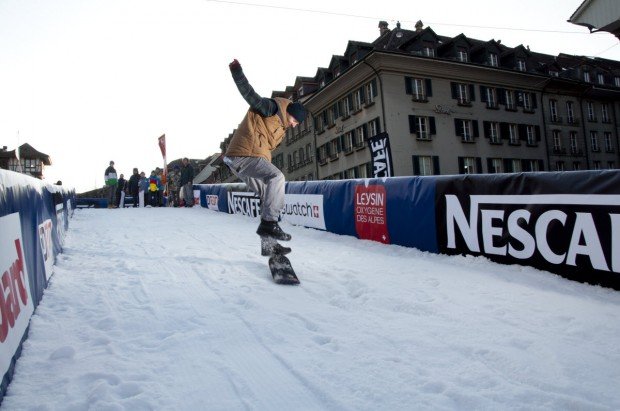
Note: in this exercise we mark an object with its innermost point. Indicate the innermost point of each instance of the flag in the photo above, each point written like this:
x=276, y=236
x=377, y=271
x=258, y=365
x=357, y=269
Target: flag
x=162, y=147
x=381, y=155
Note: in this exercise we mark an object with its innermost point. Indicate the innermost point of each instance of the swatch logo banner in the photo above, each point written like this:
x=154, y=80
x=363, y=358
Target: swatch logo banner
x=212, y=201
x=381, y=155
x=16, y=305
x=47, y=246
x=370, y=213
x=304, y=209
x=244, y=203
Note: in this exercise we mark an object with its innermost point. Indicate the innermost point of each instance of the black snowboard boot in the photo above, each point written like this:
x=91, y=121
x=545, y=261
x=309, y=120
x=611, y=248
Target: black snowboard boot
x=270, y=247
x=273, y=230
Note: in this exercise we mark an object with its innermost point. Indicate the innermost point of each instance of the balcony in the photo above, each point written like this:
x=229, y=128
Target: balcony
x=555, y=119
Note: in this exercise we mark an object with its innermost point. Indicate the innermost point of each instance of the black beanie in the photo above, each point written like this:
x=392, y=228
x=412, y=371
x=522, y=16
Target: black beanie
x=297, y=110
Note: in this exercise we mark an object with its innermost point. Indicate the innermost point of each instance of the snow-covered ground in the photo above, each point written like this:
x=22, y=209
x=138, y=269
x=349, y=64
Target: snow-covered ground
x=175, y=309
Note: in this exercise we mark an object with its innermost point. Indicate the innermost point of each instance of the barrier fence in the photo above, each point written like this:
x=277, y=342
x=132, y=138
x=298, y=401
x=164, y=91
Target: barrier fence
x=567, y=223
x=34, y=217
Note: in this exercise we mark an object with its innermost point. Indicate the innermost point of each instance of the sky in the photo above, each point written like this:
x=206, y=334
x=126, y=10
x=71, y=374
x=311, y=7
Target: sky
x=189, y=318
x=89, y=81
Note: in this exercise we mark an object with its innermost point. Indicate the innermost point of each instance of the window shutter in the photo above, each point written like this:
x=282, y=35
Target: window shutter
x=501, y=95
x=508, y=165
x=478, y=165
x=429, y=87
x=363, y=94
x=458, y=127
x=472, y=92
x=475, y=125
x=461, y=165
x=537, y=133
x=483, y=94
x=534, y=102
x=503, y=131
x=374, y=87
x=541, y=165
x=490, y=166
x=454, y=88
x=486, y=125
x=522, y=132
x=416, y=165
x=378, y=124
x=408, y=86
x=412, y=125
x=433, y=129
x=436, y=165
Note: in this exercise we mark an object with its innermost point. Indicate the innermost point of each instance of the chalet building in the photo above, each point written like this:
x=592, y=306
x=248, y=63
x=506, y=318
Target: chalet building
x=452, y=105
x=31, y=161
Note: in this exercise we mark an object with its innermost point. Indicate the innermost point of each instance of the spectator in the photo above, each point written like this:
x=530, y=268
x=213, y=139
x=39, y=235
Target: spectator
x=160, y=187
x=121, y=189
x=187, y=182
x=154, y=184
x=143, y=185
x=134, y=186
x=111, y=182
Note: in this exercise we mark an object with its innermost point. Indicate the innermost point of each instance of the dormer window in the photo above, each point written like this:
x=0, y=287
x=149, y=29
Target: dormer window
x=461, y=54
x=586, y=76
x=554, y=73
x=300, y=91
x=600, y=78
x=323, y=83
x=521, y=65
x=617, y=81
x=493, y=60
x=428, y=51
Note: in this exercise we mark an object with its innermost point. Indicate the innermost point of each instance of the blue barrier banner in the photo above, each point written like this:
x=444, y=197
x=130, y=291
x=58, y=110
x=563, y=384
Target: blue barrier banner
x=34, y=217
x=567, y=223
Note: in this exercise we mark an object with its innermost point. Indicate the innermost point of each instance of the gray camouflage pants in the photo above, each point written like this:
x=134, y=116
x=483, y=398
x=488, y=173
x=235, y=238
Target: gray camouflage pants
x=264, y=179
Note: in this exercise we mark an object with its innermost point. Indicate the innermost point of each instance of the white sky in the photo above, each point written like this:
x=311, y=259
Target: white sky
x=89, y=81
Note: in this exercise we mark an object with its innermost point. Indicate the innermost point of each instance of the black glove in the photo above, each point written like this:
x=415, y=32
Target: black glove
x=235, y=67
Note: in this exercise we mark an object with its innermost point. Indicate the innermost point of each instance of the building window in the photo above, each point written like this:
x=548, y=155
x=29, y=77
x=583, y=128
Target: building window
x=586, y=76
x=553, y=111
x=531, y=135
x=517, y=167
x=421, y=127
x=358, y=100
x=461, y=92
x=469, y=165
x=559, y=166
x=466, y=129
x=373, y=127
x=494, y=133
x=611, y=165
x=347, y=142
x=491, y=97
x=521, y=65
x=605, y=113
x=428, y=51
x=570, y=112
x=493, y=60
x=617, y=81
x=418, y=89
x=590, y=108
x=424, y=165
x=557, y=142
x=532, y=165
x=596, y=165
x=462, y=54
x=510, y=100
x=346, y=104
x=527, y=101
x=554, y=73
x=496, y=165
x=609, y=146
x=513, y=134
x=576, y=165
x=594, y=141
x=360, y=136
x=600, y=78
x=370, y=92
x=574, y=145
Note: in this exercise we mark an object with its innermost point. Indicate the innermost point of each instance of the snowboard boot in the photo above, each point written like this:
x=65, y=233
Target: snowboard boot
x=273, y=230
x=270, y=247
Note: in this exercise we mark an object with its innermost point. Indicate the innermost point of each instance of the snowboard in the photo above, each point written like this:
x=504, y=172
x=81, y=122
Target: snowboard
x=281, y=269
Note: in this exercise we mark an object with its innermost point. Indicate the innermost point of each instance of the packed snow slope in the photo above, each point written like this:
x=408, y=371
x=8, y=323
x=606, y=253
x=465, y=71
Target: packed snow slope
x=175, y=309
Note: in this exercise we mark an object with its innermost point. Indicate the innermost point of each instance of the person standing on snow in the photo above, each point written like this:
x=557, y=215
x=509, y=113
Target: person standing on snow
x=187, y=181
x=110, y=182
x=249, y=153
x=134, y=186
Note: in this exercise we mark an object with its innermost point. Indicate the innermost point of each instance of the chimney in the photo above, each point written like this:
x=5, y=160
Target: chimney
x=419, y=26
x=383, y=28
x=4, y=148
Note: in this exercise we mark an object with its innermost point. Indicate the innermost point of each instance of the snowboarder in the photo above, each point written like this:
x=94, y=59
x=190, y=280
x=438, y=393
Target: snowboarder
x=249, y=152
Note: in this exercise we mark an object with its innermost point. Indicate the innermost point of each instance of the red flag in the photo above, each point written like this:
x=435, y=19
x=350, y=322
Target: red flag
x=162, y=145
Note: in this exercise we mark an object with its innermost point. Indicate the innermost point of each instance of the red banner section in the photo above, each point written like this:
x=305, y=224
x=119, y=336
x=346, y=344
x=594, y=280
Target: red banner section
x=370, y=213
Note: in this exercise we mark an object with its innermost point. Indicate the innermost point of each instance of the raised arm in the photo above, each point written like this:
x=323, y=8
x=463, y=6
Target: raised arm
x=264, y=106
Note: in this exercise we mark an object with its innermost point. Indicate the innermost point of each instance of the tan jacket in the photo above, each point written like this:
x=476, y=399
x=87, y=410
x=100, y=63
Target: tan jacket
x=257, y=136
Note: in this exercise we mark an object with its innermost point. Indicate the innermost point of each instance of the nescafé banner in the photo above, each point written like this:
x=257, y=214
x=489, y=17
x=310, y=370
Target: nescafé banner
x=567, y=223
